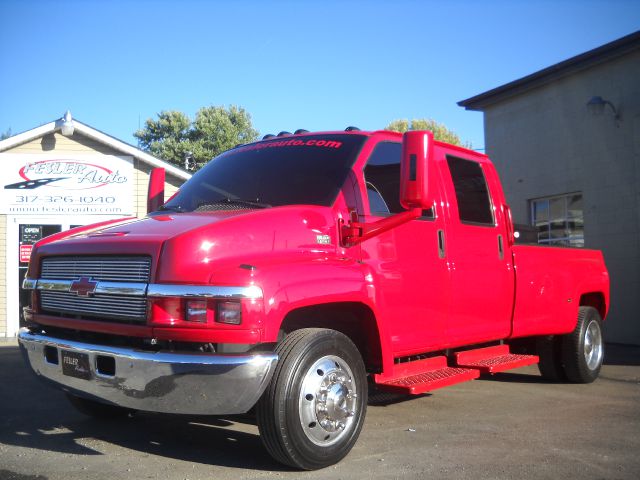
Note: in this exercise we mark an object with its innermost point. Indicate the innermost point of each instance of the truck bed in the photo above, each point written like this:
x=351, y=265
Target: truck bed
x=550, y=282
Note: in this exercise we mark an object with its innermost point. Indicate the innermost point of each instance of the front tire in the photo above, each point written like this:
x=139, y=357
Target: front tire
x=311, y=414
x=583, y=349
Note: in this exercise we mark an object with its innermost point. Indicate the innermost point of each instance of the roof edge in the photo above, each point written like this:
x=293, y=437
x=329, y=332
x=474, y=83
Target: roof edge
x=579, y=62
x=27, y=136
x=130, y=149
x=96, y=135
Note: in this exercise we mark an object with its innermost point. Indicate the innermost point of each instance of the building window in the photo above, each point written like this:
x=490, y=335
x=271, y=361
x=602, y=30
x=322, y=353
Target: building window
x=559, y=220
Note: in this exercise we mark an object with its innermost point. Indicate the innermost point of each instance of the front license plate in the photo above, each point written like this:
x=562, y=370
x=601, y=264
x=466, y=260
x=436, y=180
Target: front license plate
x=75, y=364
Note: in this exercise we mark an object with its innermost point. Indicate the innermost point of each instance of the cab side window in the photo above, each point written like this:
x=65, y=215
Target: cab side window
x=382, y=174
x=472, y=194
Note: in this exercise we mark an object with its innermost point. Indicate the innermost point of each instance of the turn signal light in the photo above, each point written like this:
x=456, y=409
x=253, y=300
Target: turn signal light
x=196, y=311
x=229, y=313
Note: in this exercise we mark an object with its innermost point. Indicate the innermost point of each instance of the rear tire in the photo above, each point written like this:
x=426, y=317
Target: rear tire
x=583, y=349
x=551, y=367
x=312, y=412
x=94, y=409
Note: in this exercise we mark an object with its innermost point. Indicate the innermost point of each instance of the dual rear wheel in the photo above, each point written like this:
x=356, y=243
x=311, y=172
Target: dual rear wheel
x=577, y=356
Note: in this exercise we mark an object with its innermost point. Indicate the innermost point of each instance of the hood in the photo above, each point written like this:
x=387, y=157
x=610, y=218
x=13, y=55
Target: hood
x=190, y=247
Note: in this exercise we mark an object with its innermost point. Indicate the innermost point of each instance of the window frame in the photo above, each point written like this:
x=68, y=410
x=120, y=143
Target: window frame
x=423, y=217
x=556, y=242
x=492, y=210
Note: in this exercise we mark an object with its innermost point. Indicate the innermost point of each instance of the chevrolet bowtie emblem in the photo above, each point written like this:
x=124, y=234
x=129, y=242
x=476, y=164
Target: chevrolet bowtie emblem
x=83, y=287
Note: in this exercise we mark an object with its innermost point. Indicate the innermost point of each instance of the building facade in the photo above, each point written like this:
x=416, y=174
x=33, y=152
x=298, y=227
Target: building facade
x=566, y=143
x=58, y=176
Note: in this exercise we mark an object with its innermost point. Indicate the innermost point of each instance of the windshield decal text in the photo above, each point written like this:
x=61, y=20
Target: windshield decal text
x=293, y=143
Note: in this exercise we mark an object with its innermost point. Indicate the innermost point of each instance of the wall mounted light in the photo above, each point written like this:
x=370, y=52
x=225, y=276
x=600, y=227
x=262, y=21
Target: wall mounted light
x=67, y=126
x=597, y=104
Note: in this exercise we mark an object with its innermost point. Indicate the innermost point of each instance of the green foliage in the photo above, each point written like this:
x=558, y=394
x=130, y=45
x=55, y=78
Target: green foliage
x=173, y=136
x=6, y=134
x=440, y=132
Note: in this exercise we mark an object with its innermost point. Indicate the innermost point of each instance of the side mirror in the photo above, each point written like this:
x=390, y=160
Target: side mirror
x=417, y=170
x=155, y=194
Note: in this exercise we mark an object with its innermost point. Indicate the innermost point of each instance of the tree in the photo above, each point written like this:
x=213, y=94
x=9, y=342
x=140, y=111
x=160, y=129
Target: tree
x=175, y=138
x=440, y=132
x=6, y=134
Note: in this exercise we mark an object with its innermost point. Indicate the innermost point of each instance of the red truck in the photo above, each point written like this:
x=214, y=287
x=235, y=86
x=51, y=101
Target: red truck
x=290, y=275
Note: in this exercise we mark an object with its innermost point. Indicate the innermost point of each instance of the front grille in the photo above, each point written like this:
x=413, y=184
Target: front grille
x=113, y=307
x=108, y=269
x=133, y=269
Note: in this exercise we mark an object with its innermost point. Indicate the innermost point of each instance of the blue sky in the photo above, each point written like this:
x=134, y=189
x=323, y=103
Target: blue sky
x=319, y=65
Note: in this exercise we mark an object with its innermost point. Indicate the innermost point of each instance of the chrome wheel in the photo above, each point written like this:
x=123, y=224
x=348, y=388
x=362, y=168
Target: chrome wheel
x=312, y=412
x=593, y=348
x=583, y=349
x=328, y=401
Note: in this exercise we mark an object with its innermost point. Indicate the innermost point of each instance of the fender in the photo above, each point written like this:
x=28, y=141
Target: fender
x=596, y=282
x=288, y=286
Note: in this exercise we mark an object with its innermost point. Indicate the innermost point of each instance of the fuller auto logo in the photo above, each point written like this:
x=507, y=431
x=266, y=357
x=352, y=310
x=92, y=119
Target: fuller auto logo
x=66, y=174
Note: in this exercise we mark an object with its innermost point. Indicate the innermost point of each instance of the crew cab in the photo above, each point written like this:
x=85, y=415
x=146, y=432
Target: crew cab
x=290, y=275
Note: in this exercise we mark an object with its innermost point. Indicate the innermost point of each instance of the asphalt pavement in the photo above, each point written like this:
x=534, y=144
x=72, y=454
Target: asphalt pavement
x=509, y=426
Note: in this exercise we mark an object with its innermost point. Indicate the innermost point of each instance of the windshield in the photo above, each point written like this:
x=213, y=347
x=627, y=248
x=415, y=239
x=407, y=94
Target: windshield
x=284, y=171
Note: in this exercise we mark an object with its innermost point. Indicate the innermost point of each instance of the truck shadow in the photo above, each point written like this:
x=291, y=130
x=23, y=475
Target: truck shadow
x=378, y=398
x=204, y=440
x=38, y=416
x=509, y=377
x=210, y=442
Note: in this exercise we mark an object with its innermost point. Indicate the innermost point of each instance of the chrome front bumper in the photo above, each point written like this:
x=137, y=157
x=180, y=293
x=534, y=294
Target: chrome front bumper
x=199, y=384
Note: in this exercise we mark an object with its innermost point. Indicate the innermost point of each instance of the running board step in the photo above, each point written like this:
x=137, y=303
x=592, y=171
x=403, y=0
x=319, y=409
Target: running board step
x=413, y=378
x=493, y=359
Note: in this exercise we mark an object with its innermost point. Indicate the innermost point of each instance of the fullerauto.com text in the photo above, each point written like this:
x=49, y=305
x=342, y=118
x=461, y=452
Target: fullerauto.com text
x=64, y=209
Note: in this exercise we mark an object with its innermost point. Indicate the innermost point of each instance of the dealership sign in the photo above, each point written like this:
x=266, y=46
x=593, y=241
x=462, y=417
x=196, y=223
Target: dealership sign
x=66, y=184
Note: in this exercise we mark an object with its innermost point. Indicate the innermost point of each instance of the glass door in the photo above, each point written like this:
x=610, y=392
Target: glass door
x=29, y=234
x=23, y=231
